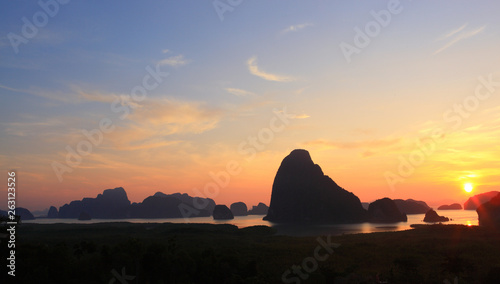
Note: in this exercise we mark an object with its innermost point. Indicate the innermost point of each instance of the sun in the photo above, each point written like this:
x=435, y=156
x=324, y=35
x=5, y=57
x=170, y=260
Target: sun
x=468, y=187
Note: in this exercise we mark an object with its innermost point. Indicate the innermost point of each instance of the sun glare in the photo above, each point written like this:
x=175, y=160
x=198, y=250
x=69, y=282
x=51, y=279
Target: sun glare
x=468, y=187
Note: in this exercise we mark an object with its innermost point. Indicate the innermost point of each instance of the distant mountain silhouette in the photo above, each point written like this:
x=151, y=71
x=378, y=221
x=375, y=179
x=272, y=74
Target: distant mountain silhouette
x=489, y=212
x=114, y=204
x=473, y=202
x=302, y=193
x=203, y=204
x=454, y=206
x=410, y=206
x=24, y=213
x=176, y=205
x=111, y=204
x=432, y=216
x=260, y=209
x=221, y=212
x=385, y=211
x=239, y=209
x=52, y=212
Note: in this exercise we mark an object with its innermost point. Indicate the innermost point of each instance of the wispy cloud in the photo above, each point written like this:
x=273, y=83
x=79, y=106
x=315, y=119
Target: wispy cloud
x=254, y=69
x=13, y=89
x=175, y=116
x=174, y=61
x=371, y=144
x=449, y=34
x=300, y=116
x=296, y=28
x=55, y=96
x=239, y=92
x=460, y=35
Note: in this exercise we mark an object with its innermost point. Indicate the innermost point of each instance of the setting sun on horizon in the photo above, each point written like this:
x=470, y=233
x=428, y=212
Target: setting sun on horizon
x=468, y=187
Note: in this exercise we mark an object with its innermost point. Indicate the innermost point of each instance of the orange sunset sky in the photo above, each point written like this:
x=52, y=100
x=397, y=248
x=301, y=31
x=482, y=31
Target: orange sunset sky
x=396, y=99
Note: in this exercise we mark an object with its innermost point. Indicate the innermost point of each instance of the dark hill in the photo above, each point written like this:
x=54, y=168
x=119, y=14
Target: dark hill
x=454, y=206
x=114, y=204
x=302, y=193
x=385, y=211
x=111, y=204
x=489, y=212
x=260, y=209
x=473, y=202
x=239, y=209
x=23, y=213
x=410, y=206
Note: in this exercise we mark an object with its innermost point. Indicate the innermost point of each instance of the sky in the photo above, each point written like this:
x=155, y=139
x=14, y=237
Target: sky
x=396, y=99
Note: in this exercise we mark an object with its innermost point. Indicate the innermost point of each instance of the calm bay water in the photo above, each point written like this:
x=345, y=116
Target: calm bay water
x=463, y=217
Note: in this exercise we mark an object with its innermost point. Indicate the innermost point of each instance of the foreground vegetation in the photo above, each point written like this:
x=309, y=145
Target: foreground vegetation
x=207, y=253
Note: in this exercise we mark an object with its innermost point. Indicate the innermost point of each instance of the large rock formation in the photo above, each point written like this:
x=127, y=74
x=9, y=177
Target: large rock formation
x=176, y=205
x=52, y=212
x=205, y=205
x=157, y=207
x=385, y=211
x=410, y=206
x=489, y=212
x=260, y=209
x=239, y=209
x=24, y=213
x=454, y=206
x=111, y=204
x=114, y=204
x=221, y=212
x=432, y=217
x=473, y=202
x=302, y=193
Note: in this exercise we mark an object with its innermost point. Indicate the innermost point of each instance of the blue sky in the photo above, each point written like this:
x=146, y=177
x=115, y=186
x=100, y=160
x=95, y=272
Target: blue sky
x=228, y=78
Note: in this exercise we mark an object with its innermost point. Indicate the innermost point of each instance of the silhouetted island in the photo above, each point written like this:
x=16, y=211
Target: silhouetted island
x=410, y=206
x=489, y=212
x=53, y=213
x=239, y=209
x=114, y=204
x=260, y=209
x=23, y=213
x=176, y=205
x=385, y=211
x=473, y=202
x=454, y=206
x=432, y=216
x=221, y=212
x=301, y=193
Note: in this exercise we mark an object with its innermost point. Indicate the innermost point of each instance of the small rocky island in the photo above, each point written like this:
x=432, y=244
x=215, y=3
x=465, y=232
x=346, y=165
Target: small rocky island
x=432, y=217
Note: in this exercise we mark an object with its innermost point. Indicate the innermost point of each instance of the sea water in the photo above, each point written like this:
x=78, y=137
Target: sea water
x=463, y=217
